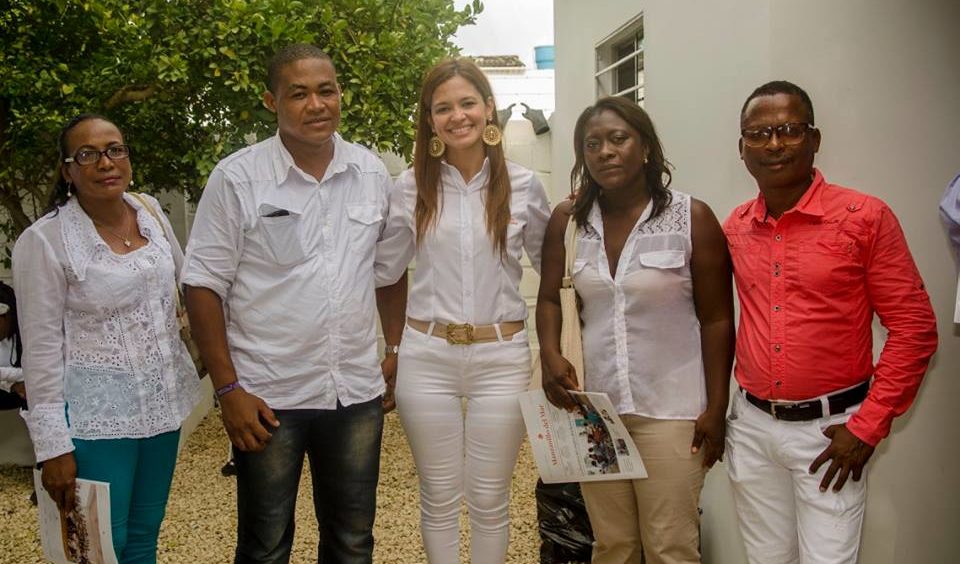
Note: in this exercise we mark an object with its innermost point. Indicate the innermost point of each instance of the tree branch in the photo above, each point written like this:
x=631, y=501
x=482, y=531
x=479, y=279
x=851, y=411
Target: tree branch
x=11, y=202
x=131, y=93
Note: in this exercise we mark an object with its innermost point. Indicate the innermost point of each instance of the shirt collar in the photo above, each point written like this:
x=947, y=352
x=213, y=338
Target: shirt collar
x=81, y=240
x=476, y=183
x=595, y=219
x=809, y=204
x=283, y=163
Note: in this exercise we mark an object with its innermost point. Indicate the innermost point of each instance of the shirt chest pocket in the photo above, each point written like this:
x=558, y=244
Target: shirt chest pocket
x=830, y=261
x=663, y=260
x=364, y=224
x=284, y=237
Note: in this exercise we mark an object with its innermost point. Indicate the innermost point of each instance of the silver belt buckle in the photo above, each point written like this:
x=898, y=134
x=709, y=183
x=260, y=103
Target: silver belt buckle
x=774, y=404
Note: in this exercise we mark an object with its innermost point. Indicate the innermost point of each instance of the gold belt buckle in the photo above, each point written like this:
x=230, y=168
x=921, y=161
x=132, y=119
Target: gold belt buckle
x=460, y=334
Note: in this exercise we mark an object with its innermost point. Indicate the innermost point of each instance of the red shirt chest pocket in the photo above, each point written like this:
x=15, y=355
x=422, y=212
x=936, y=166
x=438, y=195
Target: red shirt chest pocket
x=750, y=253
x=829, y=261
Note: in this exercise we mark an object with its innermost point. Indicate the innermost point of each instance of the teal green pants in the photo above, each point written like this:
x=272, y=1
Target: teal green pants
x=139, y=472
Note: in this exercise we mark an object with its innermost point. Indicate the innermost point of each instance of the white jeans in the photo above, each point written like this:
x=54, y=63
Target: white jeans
x=461, y=454
x=784, y=518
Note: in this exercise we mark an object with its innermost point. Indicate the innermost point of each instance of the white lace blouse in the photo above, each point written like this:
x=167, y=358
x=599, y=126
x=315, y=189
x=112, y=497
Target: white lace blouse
x=102, y=354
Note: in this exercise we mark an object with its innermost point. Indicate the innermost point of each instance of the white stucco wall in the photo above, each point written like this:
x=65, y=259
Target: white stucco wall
x=884, y=81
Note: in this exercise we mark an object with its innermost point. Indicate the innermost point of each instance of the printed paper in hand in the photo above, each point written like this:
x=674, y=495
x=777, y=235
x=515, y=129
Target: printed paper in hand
x=82, y=536
x=586, y=445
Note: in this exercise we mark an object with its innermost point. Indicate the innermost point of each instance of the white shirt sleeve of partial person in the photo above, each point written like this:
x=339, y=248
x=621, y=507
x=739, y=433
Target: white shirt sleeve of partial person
x=216, y=240
x=10, y=375
x=395, y=249
x=41, y=286
x=538, y=214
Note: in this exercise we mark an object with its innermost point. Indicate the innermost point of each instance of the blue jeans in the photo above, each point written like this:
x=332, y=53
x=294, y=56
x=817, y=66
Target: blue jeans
x=343, y=446
x=139, y=472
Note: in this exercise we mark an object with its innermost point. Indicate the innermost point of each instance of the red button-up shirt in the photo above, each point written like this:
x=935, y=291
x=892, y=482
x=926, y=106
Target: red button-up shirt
x=809, y=284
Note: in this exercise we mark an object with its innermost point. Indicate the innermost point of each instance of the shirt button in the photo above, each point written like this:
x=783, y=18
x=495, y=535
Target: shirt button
x=778, y=383
x=776, y=308
x=776, y=348
x=778, y=237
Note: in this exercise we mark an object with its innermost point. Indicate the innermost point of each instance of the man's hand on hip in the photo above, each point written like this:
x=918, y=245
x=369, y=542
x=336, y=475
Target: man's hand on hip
x=847, y=453
x=244, y=415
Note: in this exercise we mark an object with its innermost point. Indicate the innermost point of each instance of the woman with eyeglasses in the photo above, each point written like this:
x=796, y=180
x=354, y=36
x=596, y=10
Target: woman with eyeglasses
x=654, y=277
x=109, y=380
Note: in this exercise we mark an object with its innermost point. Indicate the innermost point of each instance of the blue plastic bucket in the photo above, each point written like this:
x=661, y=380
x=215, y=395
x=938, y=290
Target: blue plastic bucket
x=544, y=56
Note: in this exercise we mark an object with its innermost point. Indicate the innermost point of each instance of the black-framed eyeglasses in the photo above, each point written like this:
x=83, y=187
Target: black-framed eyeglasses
x=787, y=133
x=89, y=156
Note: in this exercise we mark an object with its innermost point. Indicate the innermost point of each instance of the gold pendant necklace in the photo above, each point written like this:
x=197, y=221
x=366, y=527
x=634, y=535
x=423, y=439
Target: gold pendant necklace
x=126, y=239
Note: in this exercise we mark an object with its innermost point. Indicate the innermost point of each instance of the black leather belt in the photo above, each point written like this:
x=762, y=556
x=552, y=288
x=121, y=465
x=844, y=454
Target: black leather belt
x=812, y=409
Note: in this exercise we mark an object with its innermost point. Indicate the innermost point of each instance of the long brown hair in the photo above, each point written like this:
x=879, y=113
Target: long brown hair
x=656, y=171
x=427, y=169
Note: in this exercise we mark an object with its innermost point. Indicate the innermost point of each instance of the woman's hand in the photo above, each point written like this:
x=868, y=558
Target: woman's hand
x=389, y=369
x=59, y=478
x=558, y=377
x=709, y=433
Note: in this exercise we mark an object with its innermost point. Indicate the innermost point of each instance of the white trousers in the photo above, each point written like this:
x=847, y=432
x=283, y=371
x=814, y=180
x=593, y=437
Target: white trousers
x=784, y=518
x=463, y=453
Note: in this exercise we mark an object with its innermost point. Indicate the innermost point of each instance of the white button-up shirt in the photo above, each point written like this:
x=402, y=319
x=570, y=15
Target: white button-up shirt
x=641, y=335
x=460, y=277
x=100, y=334
x=292, y=258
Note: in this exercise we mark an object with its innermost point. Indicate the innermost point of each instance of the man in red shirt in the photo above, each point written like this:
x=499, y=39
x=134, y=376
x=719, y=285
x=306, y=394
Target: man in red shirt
x=813, y=262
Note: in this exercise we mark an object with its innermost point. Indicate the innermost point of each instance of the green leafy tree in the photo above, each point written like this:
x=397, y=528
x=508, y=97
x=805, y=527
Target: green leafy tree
x=184, y=78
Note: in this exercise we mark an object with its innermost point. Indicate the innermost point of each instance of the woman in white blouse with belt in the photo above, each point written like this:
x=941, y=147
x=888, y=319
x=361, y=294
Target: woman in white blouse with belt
x=467, y=215
x=654, y=277
x=108, y=379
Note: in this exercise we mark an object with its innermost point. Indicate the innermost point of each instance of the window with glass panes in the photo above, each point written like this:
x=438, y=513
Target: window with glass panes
x=619, y=69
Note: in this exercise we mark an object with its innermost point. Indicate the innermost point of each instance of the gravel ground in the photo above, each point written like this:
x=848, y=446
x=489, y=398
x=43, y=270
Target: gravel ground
x=201, y=515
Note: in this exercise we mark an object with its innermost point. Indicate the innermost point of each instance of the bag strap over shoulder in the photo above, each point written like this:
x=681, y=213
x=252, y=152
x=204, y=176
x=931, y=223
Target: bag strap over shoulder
x=143, y=201
x=570, y=246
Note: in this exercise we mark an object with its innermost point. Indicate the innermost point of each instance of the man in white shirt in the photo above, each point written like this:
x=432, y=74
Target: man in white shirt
x=280, y=289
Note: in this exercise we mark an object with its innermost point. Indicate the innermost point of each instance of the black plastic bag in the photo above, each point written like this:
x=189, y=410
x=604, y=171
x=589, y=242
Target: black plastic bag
x=565, y=533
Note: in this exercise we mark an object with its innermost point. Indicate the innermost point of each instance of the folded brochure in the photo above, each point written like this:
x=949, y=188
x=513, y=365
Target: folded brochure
x=587, y=444
x=80, y=536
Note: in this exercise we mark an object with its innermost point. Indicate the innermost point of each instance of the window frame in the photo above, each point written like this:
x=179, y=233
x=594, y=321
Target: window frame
x=610, y=60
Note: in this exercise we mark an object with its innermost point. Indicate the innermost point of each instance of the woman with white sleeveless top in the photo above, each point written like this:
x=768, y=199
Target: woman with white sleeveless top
x=653, y=274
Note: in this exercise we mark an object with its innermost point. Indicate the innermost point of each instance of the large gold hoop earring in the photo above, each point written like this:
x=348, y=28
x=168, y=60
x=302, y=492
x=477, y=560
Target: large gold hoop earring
x=436, y=147
x=492, y=135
